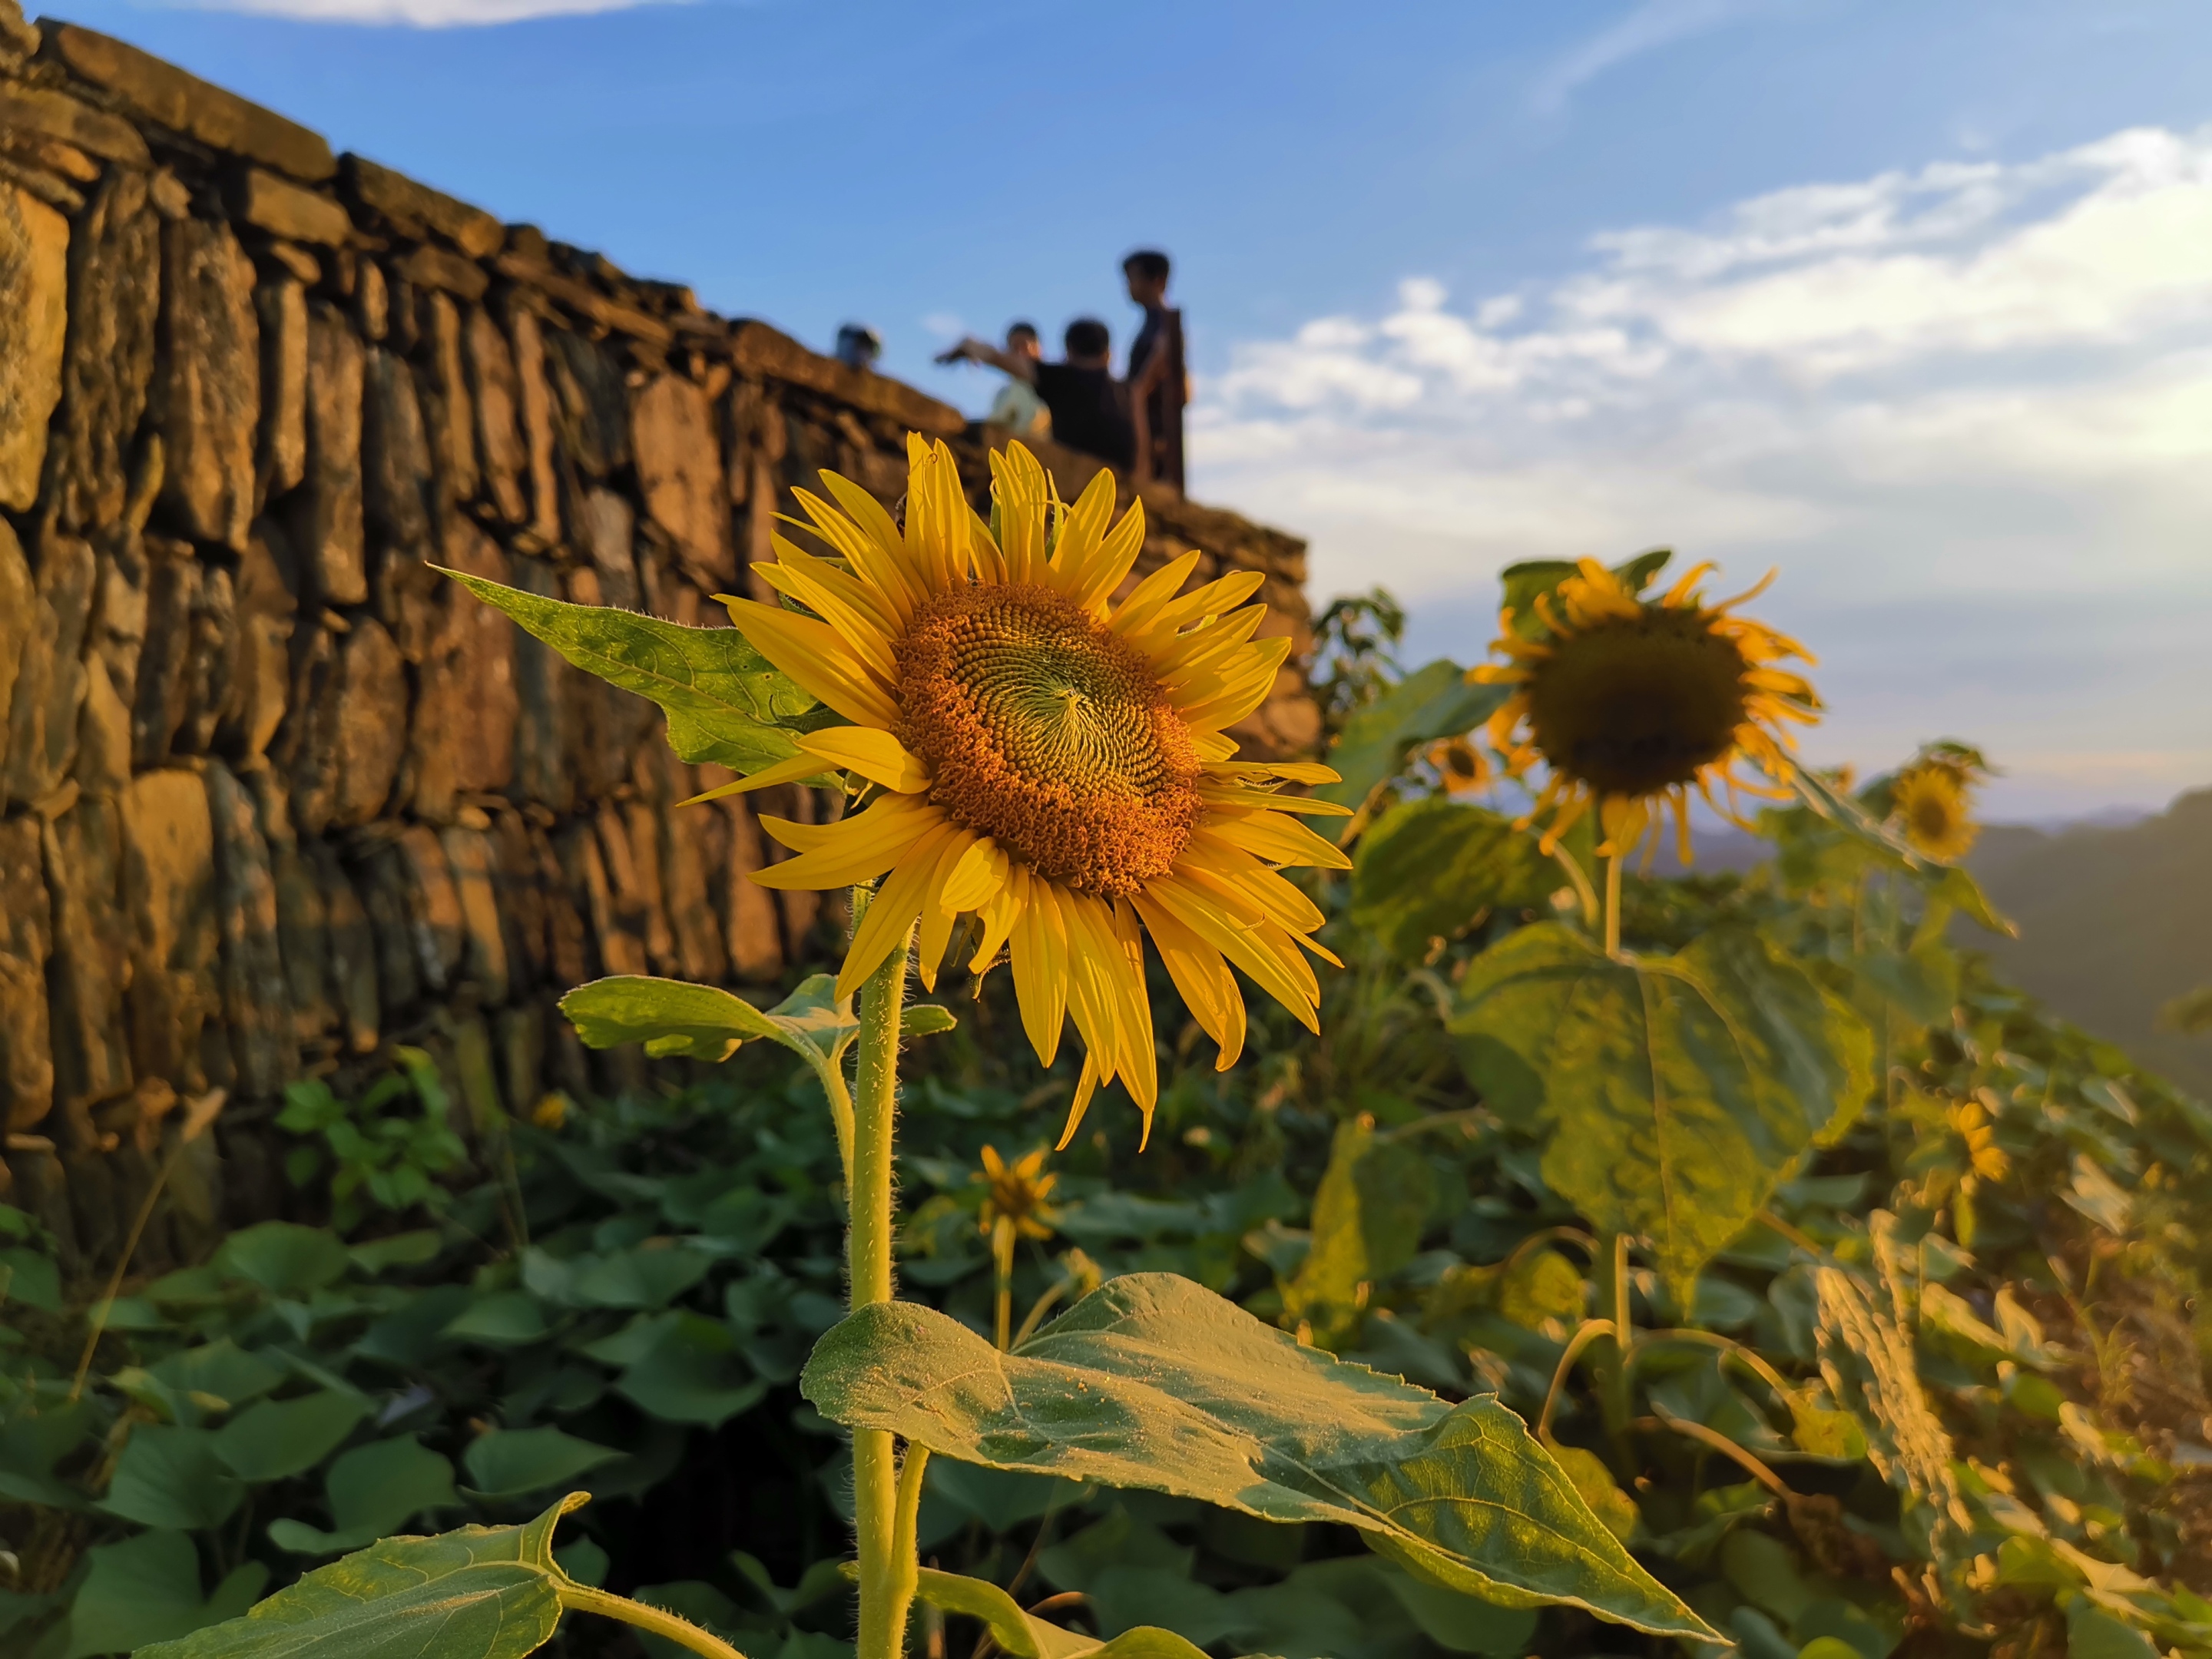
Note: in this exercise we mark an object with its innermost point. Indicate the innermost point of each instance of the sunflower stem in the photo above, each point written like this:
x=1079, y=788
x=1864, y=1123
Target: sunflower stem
x=1002, y=1257
x=1613, y=905
x=889, y=1574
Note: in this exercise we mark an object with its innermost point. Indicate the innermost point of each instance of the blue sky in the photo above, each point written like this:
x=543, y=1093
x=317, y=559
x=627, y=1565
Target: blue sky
x=1914, y=303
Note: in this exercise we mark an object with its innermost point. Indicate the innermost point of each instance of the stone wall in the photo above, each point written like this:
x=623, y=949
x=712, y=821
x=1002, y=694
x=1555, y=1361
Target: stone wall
x=274, y=795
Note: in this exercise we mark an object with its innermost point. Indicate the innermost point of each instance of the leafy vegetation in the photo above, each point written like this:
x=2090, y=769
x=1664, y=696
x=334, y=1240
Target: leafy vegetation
x=1783, y=1274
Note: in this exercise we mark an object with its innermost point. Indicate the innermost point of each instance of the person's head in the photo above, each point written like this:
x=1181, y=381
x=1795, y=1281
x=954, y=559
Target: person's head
x=1087, y=343
x=1146, y=272
x=859, y=346
x=1023, y=341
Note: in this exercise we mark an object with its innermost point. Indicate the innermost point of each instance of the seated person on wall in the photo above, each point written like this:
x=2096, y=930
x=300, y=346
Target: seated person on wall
x=1017, y=408
x=1090, y=408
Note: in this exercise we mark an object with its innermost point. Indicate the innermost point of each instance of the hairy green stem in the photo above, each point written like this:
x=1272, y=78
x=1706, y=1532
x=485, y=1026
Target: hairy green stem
x=1613, y=906
x=888, y=1575
x=1616, y=1390
x=582, y=1598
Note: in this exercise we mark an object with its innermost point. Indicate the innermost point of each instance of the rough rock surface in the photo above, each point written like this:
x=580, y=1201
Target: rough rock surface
x=34, y=297
x=206, y=396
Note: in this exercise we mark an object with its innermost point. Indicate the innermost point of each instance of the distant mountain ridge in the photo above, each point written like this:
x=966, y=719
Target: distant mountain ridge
x=2114, y=920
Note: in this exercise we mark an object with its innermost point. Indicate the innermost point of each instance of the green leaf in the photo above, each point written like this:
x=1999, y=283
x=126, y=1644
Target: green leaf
x=1595, y=1482
x=478, y=1593
x=220, y=1369
x=1153, y=1382
x=172, y=1477
x=283, y=1258
x=1949, y=882
x=724, y=703
x=1026, y=1637
x=674, y=1016
x=147, y=1589
x=31, y=1278
x=410, y=1249
x=925, y=1020
x=691, y=1373
x=1372, y=1203
x=1678, y=1089
x=278, y=1437
x=641, y=1278
x=373, y=1490
x=504, y=1319
x=1431, y=702
x=1427, y=868
x=509, y=1462
x=1533, y=579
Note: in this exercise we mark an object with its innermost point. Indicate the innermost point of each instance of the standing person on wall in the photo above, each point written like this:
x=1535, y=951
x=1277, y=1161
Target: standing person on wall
x=1159, y=386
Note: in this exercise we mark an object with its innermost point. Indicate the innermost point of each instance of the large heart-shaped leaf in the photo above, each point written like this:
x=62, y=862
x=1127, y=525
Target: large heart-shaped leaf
x=1154, y=1382
x=277, y=1438
x=1431, y=702
x=1427, y=868
x=1679, y=1087
x=724, y=703
x=484, y=1592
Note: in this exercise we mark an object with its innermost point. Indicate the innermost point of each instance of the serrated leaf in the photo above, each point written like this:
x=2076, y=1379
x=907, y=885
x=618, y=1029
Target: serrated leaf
x=1595, y=1483
x=1427, y=868
x=1678, y=1088
x=484, y=1592
x=1153, y=1382
x=1431, y=702
x=724, y=703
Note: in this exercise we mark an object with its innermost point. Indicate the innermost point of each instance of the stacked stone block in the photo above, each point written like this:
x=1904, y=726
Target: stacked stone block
x=274, y=794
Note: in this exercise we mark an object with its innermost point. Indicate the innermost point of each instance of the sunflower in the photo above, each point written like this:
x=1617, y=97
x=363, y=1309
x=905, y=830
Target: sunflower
x=1035, y=754
x=1631, y=703
x=1019, y=1199
x=1929, y=800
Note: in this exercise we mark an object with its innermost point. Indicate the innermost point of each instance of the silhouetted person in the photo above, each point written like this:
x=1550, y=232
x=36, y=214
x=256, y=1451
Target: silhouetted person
x=859, y=346
x=1158, y=385
x=1090, y=408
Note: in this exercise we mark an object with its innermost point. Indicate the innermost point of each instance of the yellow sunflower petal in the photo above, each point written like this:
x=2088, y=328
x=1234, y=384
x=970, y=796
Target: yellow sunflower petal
x=810, y=653
x=1202, y=978
x=1020, y=493
x=1086, y=1086
x=1288, y=771
x=980, y=876
x=1080, y=533
x=862, y=637
x=876, y=754
x=938, y=911
x=1277, y=838
x=1147, y=598
x=798, y=770
x=998, y=914
x=1039, y=950
x=858, y=848
x=1246, y=944
x=896, y=906
x=1242, y=688
x=870, y=542
x=1116, y=554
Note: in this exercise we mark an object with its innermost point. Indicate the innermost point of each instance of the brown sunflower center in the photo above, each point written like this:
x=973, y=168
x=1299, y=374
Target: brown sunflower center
x=1638, y=705
x=1047, y=732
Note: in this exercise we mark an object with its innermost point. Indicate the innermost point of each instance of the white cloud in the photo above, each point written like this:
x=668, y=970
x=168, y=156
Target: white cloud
x=1647, y=27
x=1918, y=393
x=425, y=14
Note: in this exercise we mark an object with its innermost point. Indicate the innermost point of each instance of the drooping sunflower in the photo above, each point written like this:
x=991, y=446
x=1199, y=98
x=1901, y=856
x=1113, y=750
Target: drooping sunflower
x=1930, y=802
x=1034, y=754
x=1634, y=702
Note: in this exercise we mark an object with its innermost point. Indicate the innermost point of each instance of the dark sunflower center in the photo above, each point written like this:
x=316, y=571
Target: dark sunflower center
x=1634, y=706
x=1932, y=816
x=1048, y=733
